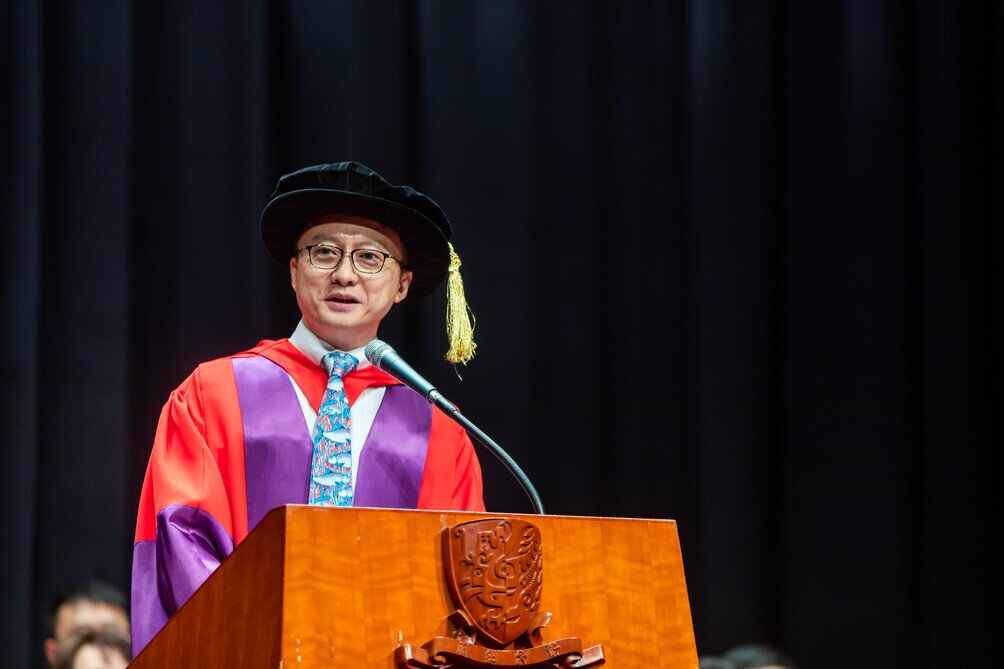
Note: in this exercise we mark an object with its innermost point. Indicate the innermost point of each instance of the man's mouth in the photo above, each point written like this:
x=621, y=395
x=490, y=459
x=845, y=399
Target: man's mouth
x=342, y=299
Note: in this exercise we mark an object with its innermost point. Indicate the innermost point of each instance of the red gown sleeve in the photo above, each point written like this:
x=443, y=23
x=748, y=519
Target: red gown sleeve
x=185, y=526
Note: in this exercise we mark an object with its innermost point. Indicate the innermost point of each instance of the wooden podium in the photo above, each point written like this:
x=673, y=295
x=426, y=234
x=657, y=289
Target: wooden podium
x=312, y=587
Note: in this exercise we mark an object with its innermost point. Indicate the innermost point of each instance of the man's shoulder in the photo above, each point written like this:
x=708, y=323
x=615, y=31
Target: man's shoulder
x=268, y=345
x=223, y=365
x=214, y=379
x=261, y=348
x=281, y=352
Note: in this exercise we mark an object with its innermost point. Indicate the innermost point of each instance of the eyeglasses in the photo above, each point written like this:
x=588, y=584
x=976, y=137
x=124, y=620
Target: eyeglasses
x=365, y=261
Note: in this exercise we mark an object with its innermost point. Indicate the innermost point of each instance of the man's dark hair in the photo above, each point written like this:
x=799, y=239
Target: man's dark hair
x=104, y=640
x=97, y=592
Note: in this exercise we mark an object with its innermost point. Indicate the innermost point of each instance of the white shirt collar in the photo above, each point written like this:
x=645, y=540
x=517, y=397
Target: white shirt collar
x=316, y=348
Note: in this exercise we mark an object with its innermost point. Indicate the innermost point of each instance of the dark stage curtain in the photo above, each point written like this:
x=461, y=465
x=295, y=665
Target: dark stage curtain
x=733, y=263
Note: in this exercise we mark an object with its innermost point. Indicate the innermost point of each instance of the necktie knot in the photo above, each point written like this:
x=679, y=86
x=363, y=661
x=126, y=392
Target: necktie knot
x=339, y=364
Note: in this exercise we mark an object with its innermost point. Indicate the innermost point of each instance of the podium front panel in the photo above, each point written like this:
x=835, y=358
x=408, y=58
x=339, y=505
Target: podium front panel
x=345, y=587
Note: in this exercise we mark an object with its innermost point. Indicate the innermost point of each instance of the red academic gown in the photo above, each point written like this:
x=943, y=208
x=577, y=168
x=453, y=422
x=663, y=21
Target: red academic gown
x=232, y=443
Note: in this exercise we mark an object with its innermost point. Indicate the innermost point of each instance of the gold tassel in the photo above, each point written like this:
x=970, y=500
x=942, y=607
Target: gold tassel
x=459, y=317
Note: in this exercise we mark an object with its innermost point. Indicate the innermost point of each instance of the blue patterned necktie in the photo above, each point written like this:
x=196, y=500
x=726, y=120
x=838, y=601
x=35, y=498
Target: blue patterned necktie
x=331, y=467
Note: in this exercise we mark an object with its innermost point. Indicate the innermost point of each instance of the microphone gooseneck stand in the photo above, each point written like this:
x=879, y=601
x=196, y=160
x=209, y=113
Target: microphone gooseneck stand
x=495, y=449
x=387, y=359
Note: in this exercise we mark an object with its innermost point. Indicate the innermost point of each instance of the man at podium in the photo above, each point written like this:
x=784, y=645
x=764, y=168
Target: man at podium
x=307, y=420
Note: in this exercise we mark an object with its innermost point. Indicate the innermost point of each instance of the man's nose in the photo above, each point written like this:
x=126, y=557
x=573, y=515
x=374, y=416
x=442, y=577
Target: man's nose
x=344, y=271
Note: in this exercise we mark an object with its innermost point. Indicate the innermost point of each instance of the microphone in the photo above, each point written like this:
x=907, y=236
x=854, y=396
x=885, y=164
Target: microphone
x=387, y=359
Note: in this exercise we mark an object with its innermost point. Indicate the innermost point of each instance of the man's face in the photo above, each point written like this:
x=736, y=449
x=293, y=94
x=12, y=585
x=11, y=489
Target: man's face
x=91, y=656
x=80, y=617
x=343, y=306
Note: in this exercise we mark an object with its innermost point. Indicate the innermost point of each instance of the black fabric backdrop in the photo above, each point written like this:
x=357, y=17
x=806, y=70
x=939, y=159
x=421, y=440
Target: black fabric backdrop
x=733, y=263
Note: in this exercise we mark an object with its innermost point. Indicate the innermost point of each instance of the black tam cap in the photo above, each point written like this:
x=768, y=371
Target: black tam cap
x=356, y=190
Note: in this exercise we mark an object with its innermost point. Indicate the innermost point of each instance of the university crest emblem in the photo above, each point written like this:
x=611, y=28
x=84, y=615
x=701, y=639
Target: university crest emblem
x=493, y=574
x=494, y=571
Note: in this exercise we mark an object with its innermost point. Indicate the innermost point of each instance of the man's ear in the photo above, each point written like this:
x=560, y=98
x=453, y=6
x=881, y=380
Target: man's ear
x=403, y=284
x=49, y=647
x=292, y=272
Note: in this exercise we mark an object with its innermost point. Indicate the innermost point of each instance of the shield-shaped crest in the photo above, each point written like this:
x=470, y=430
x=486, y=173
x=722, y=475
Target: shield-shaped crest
x=493, y=573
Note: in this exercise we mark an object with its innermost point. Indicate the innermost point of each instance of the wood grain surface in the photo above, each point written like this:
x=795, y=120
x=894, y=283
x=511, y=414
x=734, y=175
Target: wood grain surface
x=343, y=587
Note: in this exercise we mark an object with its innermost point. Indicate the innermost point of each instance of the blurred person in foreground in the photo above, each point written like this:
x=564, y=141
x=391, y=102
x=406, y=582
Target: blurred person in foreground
x=90, y=607
x=308, y=419
x=748, y=656
x=94, y=650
